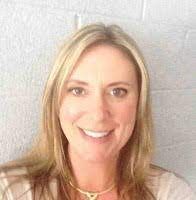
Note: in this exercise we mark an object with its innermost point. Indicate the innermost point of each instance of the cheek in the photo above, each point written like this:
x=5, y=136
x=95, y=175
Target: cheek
x=70, y=113
x=126, y=117
x=67, y=116
x=126, y=113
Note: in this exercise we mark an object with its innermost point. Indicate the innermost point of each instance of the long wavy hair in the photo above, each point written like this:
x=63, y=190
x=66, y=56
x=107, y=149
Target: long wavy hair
x=48, y=160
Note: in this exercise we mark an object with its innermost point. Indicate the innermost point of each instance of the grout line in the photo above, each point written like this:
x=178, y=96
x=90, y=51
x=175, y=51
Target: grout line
x=168, y=90
x=186, y=35
x=171, y=146
x=181, y=51
x=143, y=9
x=77, y=21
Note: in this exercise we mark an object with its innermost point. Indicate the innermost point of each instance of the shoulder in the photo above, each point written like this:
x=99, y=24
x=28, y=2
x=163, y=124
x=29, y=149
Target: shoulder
x=169, y=185
x=13, y=183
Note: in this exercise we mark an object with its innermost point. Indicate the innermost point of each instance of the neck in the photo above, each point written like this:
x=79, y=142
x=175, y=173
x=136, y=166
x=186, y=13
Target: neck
x=91, y=175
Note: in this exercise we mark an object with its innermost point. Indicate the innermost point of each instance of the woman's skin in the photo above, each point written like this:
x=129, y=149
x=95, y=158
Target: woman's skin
x=93, y=99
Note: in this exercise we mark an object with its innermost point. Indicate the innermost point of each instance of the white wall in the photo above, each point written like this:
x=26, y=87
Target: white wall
x=31, y=32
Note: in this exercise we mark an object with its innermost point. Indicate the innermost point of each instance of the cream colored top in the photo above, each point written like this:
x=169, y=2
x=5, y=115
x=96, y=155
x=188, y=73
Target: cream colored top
x=167, y=186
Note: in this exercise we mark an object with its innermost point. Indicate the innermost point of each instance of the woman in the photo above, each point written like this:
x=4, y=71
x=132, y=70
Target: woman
x=95, y=139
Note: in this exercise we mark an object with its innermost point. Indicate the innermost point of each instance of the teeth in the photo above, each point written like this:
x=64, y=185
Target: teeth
x=96, y=134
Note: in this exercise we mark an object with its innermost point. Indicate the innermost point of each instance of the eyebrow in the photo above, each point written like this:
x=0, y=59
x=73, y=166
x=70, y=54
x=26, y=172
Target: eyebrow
x=111, y=84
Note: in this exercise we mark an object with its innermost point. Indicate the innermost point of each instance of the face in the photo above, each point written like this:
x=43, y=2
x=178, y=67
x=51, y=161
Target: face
x=99, y=104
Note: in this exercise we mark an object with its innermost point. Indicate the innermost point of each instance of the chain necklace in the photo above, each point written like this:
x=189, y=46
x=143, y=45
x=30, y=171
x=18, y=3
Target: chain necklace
x=92, y=195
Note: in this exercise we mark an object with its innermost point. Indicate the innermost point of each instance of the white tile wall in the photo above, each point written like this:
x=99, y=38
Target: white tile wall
x=31, y=32
x=180, y=12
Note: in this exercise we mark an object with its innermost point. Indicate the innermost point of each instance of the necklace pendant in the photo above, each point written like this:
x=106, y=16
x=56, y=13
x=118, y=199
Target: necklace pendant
x=91, y=196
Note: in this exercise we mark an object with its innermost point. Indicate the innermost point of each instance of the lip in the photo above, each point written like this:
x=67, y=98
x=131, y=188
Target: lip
x=96, y=140
x=96, y=134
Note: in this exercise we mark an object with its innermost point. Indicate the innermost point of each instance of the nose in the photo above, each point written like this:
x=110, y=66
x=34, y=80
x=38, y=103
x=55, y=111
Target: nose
x=100, y=109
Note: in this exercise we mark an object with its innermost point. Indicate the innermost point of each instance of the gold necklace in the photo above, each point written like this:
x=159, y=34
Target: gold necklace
x=91, y=195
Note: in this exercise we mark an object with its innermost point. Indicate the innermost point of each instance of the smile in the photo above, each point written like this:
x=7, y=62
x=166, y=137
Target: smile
x=96, y=134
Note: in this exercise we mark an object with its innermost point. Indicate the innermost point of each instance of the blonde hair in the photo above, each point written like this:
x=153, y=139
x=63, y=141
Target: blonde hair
x=48, y=157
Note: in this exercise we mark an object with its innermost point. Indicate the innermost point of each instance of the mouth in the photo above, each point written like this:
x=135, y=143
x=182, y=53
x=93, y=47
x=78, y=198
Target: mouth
x=96, y=134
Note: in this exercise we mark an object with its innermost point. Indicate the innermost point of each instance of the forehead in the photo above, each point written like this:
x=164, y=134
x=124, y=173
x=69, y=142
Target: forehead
x=104, y=62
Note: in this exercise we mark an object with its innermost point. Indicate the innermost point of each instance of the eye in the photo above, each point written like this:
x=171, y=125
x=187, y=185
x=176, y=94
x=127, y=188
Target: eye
x=77, y=91
x=119, y=92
